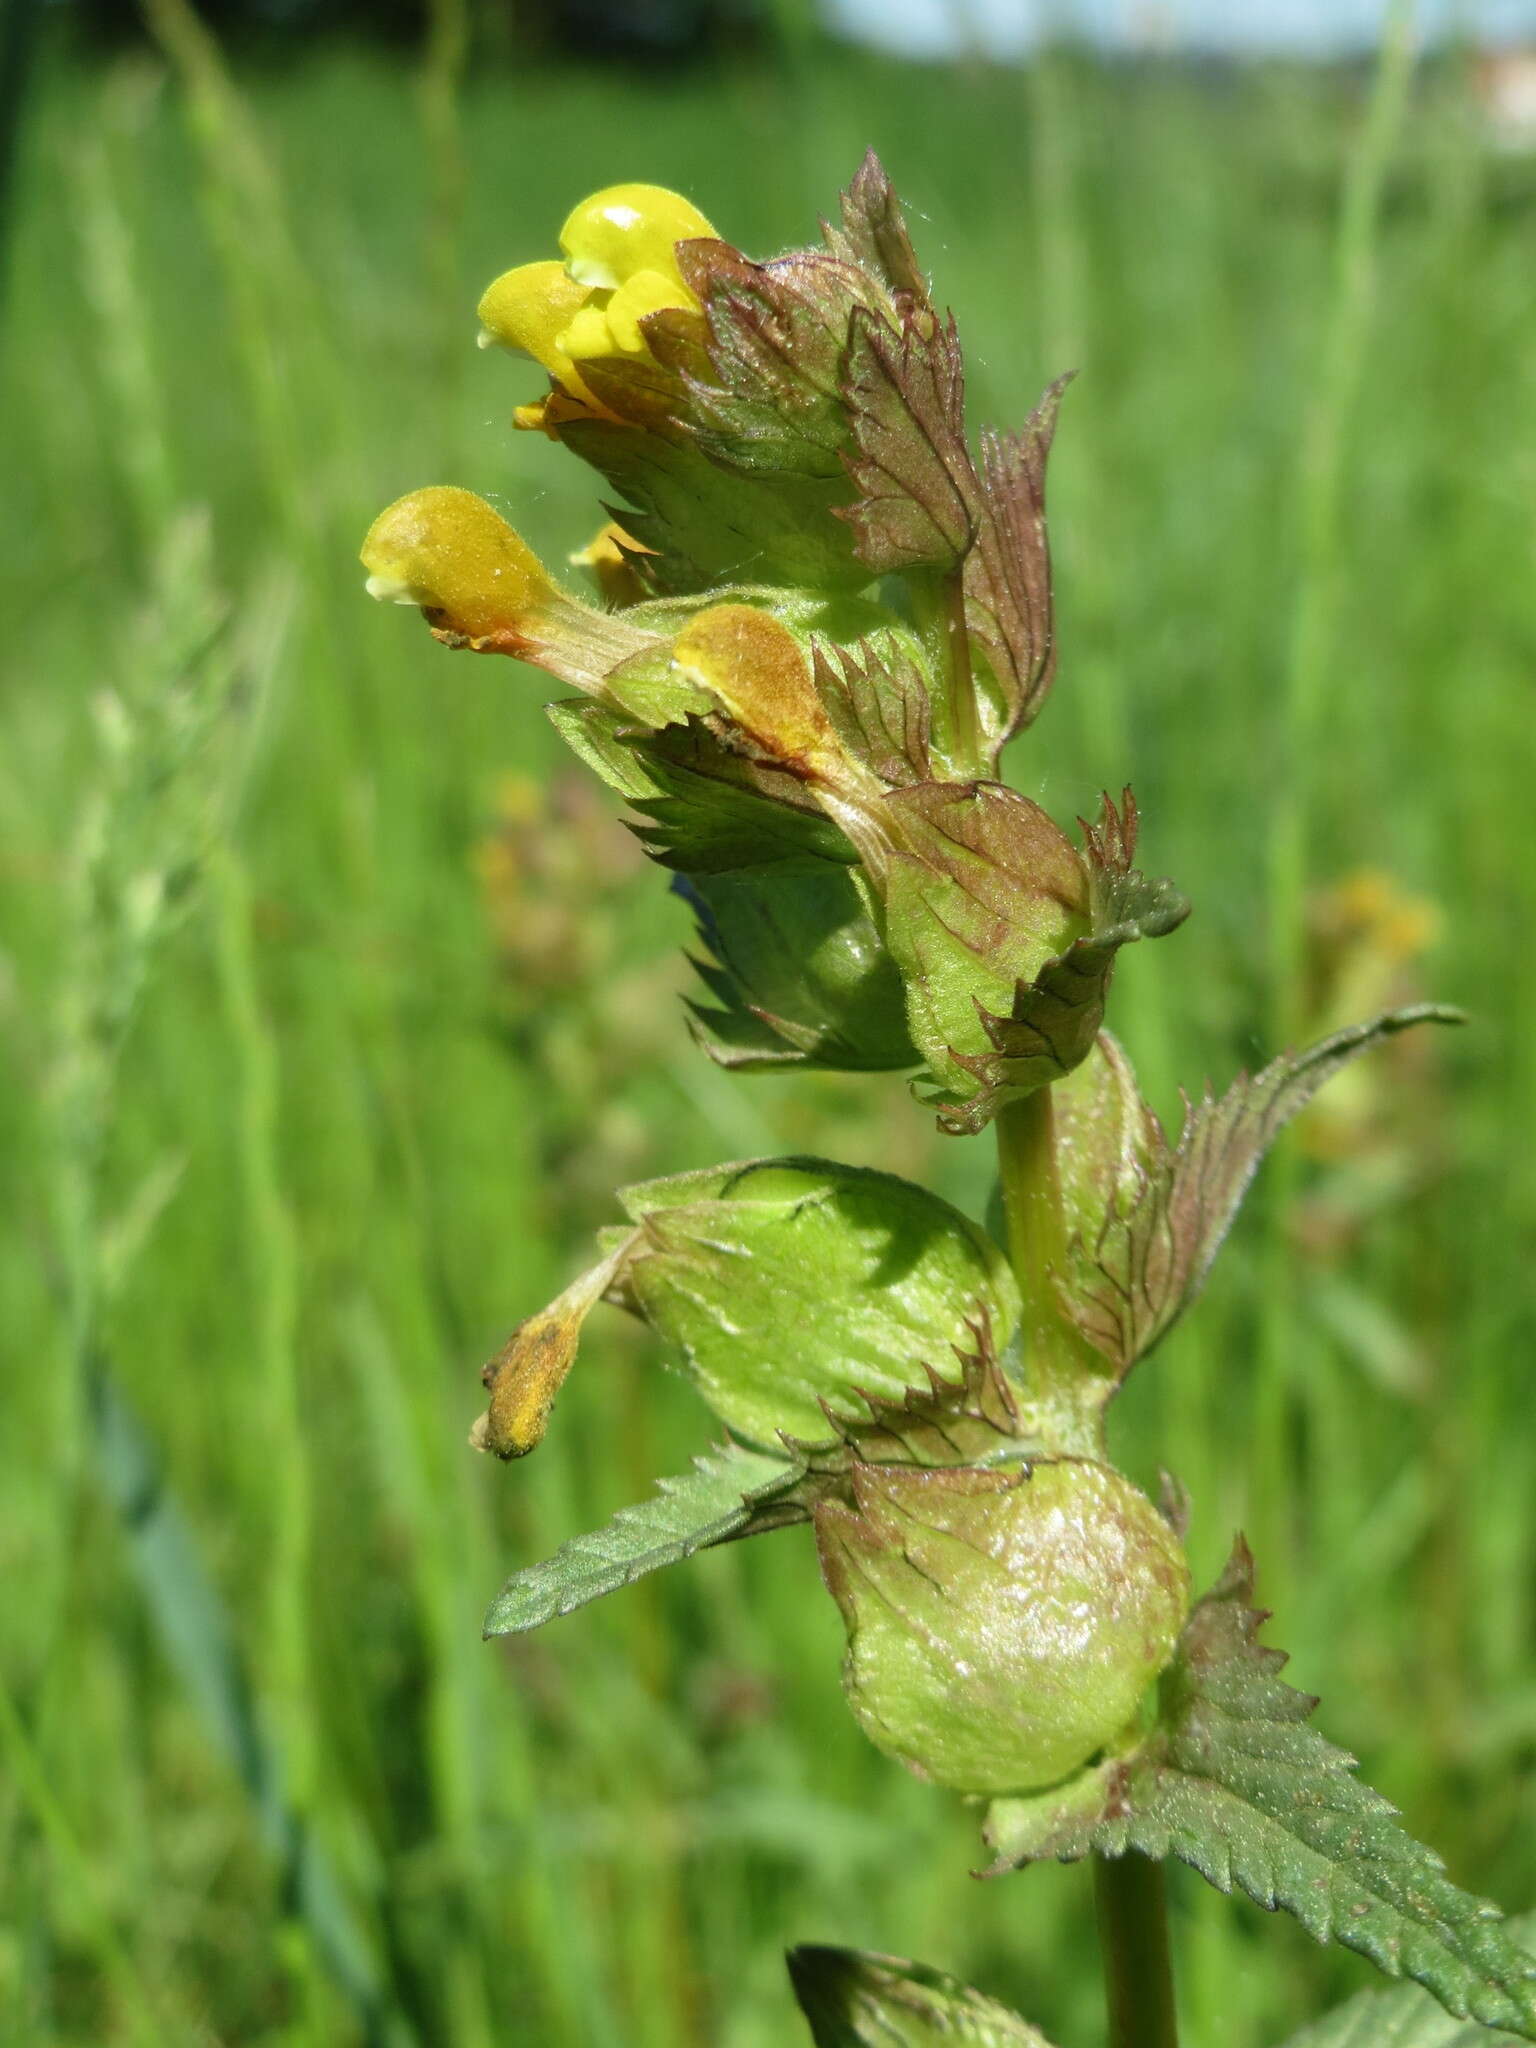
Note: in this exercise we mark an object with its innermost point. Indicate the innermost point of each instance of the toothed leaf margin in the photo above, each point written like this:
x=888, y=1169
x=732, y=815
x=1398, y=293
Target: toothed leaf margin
x=730, y=1492
x=1405, y=2018
x=1236, y=1784
x=1152, y=1254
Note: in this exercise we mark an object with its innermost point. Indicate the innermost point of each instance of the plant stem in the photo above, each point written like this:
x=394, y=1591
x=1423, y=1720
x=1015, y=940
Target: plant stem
x=1037, y=1249
x=1133, y=1919
x=1133, y=1935
x=1026, y=1158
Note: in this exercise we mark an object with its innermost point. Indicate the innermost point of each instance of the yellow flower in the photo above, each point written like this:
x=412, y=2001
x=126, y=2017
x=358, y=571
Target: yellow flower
x=626, y=229
x=620, y=266
x=610, y=555
x=528, y=309
x=755, y=669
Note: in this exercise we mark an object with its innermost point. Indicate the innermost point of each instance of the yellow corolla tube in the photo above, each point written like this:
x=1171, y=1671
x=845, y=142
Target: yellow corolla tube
x=448, y=551
x=625, y=229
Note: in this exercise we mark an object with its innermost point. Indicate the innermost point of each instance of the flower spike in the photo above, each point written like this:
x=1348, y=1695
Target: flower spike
x=826, y=608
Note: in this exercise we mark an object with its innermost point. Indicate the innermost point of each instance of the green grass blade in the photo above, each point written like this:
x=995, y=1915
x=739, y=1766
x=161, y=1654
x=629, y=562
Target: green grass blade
x=200, y=1641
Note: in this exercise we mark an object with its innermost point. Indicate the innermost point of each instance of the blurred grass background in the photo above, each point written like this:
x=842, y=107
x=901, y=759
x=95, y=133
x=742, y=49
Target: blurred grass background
x=334, y=1008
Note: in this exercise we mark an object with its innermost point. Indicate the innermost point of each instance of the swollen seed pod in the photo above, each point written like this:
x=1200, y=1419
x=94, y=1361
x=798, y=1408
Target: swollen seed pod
x=1003, y=1627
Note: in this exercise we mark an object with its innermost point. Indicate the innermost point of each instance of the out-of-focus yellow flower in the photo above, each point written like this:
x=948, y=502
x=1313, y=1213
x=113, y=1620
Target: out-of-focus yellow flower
x=1372, y=911
x=1367, y=935
x=620, y=266
x=610, y=555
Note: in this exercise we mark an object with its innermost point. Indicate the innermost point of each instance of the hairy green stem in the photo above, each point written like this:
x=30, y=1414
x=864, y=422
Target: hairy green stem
x=1057, y=1358
x=1133, y=1920
x=1133, y=1934
x=1026, y=1158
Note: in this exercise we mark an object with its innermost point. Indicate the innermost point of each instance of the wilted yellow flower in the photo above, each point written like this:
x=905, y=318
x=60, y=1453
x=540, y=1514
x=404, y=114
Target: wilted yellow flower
x=482, y=586
x=448, y=551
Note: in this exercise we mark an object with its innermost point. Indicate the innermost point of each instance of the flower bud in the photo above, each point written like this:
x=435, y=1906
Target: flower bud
x=1003, y=1626
x=755, y=668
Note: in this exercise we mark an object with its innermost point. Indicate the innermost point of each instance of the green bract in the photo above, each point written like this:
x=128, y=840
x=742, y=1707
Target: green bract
x=856, y=2000
x=798, y=971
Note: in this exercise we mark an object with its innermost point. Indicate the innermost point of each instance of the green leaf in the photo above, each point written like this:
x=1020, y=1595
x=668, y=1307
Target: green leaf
x=1236, y=1784
x=730, y=1492
x=985, y=1420
x=704, y=527
x=1146, y=1258
x=795, y=1287
x=872, y=233
x=1054, y=1017
x=1106, y=1137
x=982, y=888
x=877, y=696
x=855, y=1999
x=768, y=397
x=1406, y=2018
x=772, y=398
x=1008, y=572
x=798, y=969
x=704, y=809
x=918, y=504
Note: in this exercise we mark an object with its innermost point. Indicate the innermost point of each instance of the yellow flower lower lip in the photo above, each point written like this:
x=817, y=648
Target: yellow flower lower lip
x=394, y=589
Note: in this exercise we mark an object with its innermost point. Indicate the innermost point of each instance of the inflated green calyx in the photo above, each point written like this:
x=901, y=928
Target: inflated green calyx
x=1003, y=1627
